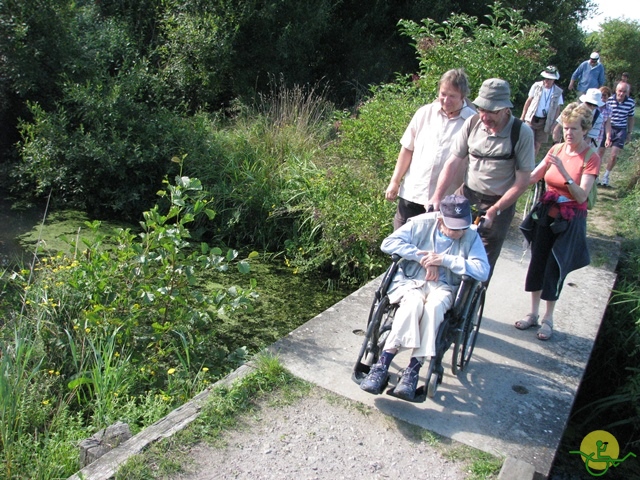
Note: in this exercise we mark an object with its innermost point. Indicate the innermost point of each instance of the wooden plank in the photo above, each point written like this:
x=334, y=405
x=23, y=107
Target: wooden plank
x=107, y=465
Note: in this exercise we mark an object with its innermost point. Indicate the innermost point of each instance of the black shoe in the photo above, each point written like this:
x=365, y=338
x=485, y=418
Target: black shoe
x=406, y=388
x=376, y=380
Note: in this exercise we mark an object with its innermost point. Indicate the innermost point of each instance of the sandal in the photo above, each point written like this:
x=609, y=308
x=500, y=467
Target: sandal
x=529, y=320
x=546, y=329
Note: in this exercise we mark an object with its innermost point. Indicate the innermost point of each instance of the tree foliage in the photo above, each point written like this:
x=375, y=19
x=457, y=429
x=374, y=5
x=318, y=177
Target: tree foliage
x=618, y=42
x=104, y=93
x=507, y=47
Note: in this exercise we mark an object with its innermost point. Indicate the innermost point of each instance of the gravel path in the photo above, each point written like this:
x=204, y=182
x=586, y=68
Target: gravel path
x=322, y=436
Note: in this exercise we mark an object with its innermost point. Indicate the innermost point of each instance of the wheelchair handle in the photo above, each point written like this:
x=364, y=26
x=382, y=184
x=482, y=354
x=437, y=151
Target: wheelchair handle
x=479, y=217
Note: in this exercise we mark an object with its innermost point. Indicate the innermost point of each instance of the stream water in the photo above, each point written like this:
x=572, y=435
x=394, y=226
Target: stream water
x=286, y=300
x=14, y=223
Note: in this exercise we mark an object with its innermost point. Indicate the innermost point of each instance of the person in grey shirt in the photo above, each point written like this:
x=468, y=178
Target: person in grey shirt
x=496, y=171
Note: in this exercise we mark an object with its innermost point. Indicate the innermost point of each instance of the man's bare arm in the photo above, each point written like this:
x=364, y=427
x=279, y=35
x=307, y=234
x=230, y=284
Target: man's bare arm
x=402, y=165
x=632, y=122
x=447, y=176
x=525, y=108
x=509, y=198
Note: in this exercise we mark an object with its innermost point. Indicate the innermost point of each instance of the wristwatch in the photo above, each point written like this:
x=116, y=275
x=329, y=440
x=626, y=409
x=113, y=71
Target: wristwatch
x=569, y=182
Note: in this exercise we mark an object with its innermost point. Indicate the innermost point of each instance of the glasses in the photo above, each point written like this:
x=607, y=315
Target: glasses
x=551, y=69
x=489, y=112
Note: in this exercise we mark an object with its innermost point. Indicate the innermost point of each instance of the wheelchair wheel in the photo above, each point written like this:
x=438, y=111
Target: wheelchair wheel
x=534, y=195
x=466, y=339
x=378, y=329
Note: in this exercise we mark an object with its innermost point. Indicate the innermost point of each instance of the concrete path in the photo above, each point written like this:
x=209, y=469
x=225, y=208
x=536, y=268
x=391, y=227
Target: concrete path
x=514, y=398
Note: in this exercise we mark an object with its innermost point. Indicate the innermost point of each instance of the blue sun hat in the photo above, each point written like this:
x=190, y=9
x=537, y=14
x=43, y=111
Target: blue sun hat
x=456, y=212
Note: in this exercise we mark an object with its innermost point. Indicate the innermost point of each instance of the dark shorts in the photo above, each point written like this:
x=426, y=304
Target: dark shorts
x=618, y=136
x=537, y=125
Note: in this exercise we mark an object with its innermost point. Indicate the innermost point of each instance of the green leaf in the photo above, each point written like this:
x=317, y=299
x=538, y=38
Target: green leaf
x=244, y=267
x=79, y=381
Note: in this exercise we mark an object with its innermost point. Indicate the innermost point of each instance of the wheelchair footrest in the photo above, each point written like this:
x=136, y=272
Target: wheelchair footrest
x=421, y=395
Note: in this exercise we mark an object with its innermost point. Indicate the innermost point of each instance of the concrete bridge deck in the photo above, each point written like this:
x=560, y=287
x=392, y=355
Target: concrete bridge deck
x=514, y=398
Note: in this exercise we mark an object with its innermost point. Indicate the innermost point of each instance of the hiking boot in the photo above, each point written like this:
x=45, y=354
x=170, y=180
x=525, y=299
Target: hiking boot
x=376, y=380
x=406, y=388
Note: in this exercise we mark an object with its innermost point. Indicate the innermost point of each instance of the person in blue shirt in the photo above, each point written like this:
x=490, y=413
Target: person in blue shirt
x=438, y=248
x=623, y=110
x=590, y=74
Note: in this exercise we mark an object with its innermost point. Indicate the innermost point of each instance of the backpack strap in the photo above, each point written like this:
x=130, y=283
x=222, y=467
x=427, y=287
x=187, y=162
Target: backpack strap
x=587, y=156
x=515, y=135
x=474, y=121
x=556, y=148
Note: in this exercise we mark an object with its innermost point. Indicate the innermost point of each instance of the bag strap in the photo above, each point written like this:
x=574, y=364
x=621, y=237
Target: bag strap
x=588, y=155
x=557, y=147
x=515, y=135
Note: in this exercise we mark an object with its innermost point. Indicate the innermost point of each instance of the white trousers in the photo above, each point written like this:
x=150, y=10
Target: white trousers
x=420, y=313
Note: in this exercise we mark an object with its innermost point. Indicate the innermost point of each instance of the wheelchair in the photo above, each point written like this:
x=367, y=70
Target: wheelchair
x=460, y=327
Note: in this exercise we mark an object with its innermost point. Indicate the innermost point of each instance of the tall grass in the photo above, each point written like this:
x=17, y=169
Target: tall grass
x=609, y=396
x=19, y=367
x=306, y=183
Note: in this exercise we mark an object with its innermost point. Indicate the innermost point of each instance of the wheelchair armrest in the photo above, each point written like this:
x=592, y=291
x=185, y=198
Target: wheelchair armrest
x=467, y=287
x=396, y=260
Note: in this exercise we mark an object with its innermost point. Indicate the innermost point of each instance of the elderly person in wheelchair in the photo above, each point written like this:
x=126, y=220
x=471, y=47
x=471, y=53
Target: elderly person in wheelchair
x=438, y=248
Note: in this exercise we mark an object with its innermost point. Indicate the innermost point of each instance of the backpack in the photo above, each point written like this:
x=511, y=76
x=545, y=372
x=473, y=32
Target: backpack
x=515, y=136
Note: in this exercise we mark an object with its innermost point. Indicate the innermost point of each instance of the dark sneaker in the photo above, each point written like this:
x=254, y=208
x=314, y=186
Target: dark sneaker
x=406, y=388
x=376, y=380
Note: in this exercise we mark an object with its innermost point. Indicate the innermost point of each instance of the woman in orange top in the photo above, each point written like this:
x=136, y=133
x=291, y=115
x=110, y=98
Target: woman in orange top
x=557, y=227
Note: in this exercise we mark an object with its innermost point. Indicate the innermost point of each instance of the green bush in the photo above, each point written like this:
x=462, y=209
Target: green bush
x=507, y=47
x=265, y=161
x=120, y=331
x=107, y=153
